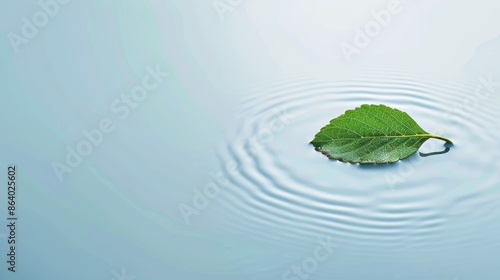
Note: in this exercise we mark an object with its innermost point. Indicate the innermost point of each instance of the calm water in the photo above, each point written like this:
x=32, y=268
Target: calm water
x=211, y=176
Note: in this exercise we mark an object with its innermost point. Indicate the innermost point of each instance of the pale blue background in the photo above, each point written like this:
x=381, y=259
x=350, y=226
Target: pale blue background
x=119, y=208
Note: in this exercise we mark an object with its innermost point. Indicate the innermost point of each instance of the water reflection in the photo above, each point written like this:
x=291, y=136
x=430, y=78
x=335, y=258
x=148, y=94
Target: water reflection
x=447, y=149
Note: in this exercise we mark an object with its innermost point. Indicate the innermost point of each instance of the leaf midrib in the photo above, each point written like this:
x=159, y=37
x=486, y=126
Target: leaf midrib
x=424, y=135
x=391, y=136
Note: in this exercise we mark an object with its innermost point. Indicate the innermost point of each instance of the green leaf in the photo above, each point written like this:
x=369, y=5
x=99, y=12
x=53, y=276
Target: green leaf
x=371, y=134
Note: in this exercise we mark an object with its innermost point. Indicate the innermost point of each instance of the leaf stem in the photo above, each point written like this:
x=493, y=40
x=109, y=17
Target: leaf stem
x=440, y=138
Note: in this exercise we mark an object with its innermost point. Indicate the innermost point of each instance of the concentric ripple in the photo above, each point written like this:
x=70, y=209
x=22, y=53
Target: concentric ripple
x=287, y=192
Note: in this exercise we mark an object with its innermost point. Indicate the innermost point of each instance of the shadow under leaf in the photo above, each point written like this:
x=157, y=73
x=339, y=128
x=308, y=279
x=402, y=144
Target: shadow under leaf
x=447, y=149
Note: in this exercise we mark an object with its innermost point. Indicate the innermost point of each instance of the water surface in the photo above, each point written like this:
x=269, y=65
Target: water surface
x=430, y=208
